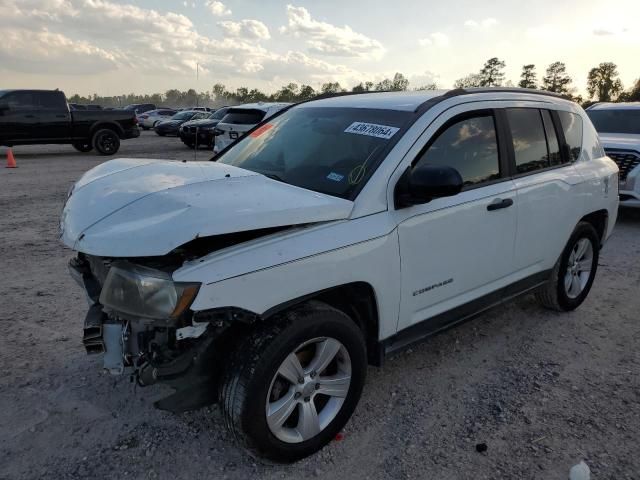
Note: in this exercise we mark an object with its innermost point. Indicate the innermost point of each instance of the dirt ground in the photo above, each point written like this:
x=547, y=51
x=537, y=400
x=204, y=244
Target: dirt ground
x=542, y=390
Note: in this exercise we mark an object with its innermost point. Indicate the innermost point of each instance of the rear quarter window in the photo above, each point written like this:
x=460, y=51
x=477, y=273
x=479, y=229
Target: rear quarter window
x=572, y=127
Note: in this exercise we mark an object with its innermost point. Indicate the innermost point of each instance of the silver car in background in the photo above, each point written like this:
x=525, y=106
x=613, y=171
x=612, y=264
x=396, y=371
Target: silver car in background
x=150, y=119
x=618, y=125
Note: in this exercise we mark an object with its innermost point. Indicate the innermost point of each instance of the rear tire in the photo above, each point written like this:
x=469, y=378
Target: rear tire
x=82, y=147
x=274, y=401
x=574, y=272
x=106, y=142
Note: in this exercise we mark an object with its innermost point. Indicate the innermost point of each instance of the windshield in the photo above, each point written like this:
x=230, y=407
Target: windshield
x=182, y=116
x=328, y=150
x=616, y=121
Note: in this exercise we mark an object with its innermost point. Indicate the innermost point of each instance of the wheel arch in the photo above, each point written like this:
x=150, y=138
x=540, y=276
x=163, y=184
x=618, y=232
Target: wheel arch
x=599, y=220
x=106, y=125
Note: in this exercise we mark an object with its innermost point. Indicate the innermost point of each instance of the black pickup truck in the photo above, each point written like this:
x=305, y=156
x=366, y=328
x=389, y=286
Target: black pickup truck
x=29, y=117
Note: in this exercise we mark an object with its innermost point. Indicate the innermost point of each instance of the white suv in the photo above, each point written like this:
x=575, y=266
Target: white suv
x=340, y=231
x=619, y=127
x=239, y=120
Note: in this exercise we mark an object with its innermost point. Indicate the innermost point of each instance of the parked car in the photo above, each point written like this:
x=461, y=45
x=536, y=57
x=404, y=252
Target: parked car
x=171, y=126
x=29, y=117
x=140, y=107
x=619, y=127
x=337, y=233
x=151, y=118
x=79, y=106
x=239, y=120
x=201, y=132
x=200, y=109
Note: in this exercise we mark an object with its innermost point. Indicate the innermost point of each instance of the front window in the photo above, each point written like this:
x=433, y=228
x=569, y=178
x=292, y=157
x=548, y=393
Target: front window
x=616, y=121
x=470, y=146
x=328, y=150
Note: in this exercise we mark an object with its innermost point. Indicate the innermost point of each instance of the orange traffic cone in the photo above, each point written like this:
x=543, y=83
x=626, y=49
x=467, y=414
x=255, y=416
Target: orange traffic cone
x=11, y=161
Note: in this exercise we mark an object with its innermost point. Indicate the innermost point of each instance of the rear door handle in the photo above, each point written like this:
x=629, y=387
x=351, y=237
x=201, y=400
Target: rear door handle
x=499, y=203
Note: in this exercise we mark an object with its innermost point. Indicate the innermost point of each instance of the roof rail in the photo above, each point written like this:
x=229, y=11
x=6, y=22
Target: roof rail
x=531, y=91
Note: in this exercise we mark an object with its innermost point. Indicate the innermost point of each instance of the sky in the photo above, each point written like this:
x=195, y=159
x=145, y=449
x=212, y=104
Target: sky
x=112, y=47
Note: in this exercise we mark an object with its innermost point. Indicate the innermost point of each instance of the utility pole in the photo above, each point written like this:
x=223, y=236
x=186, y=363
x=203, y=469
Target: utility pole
x=197, y=78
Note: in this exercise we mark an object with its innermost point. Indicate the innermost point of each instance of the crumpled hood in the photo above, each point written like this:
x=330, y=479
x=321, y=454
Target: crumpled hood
x=142, y=207
x=622, y=141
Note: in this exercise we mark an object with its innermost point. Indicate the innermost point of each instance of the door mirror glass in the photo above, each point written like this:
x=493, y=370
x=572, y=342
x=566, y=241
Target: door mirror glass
x=426, y=182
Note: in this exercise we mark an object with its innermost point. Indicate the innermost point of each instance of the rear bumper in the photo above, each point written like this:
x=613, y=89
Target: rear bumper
x=131, y=133
x=204, y=138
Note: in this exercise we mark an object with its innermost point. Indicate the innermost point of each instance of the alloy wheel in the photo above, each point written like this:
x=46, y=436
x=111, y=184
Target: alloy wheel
x=578, y=268
x=308, y=390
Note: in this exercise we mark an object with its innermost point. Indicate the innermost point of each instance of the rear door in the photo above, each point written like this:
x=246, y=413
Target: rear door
x=545, y=179
x=19, y=117
x=54, y=118
x=457, y=249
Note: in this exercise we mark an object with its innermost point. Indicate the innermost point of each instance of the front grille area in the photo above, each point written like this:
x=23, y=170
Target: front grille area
x=626, y=160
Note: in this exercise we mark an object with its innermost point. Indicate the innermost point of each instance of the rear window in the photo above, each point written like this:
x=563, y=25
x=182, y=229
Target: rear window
x=616, y=121
x=327, y=150
x=243, y=116
x=529, y=140
x=572, y=126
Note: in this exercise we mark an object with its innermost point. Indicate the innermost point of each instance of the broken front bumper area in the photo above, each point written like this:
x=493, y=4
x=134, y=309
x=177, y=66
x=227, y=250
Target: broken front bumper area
x=185, y=354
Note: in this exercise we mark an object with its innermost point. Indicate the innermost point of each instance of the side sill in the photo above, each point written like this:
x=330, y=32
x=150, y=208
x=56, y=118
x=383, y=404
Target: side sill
x=430, y=326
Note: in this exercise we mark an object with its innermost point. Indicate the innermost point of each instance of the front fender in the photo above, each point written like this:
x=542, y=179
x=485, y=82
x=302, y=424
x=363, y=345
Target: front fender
x=375, y=261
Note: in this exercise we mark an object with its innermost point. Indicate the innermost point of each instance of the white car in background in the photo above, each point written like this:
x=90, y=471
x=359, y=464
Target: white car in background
x=239, y=120
x=150, y=119
x=618, y=125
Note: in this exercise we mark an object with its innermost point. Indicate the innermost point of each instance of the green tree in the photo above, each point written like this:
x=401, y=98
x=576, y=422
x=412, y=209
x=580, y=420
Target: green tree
x=397, y=84
x=633, y=95
x=528, y=77
x=557, y=80
x=603, y=82
x=331, y=87
x=492, y=73
x=306, y=93
x=428, y=86
x=471, y=80
x=363, y=87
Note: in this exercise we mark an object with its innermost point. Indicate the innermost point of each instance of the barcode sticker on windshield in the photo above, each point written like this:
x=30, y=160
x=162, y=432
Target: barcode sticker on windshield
x=372, y=130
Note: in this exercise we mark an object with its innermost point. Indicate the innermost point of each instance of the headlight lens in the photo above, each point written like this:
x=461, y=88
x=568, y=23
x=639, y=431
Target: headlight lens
x=146, y=292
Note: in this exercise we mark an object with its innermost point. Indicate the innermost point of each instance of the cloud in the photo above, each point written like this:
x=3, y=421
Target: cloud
x=327, y=39
x=92, y=37
x=34, y=52
x=217, y=8
x=485, y=24
x=601, y=32
x=252, y=29
x=436, y=39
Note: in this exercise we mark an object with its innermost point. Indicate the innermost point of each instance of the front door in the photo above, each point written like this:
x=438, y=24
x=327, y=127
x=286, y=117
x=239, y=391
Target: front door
x=455, y=250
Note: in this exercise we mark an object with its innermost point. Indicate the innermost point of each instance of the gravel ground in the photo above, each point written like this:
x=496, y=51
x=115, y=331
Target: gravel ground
x=541, y=390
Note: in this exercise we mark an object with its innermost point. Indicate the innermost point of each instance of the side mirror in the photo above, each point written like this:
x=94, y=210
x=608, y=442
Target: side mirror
x=423, y=184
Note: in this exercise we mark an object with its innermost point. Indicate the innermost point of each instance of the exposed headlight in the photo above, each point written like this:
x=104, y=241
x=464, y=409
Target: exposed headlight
x=146, y=292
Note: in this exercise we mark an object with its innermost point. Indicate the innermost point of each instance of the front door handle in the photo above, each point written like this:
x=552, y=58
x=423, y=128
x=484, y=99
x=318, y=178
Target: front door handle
x=499, y=203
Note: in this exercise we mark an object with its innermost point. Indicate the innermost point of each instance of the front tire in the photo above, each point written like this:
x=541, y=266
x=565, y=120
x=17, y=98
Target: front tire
x=106, y=142
x=574, y=272
x=293, y=383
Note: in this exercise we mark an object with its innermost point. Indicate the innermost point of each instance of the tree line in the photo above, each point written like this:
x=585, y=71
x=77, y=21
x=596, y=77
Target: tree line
x=603, y=85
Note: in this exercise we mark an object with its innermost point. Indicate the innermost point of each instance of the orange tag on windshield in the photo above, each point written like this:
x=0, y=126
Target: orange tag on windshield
x=259, y=131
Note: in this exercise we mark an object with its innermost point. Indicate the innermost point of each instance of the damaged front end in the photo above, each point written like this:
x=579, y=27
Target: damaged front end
x=139, y=318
